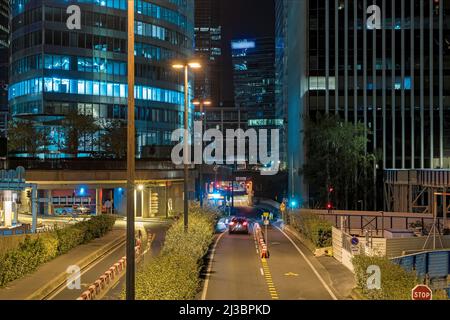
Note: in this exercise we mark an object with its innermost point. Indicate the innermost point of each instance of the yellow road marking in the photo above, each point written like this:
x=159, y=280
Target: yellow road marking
x=271, y=286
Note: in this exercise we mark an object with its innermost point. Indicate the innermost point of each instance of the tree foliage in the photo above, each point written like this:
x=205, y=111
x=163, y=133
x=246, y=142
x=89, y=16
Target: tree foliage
x=338, y=158
x=25, y=137
x=113, y=138
x=80, y=130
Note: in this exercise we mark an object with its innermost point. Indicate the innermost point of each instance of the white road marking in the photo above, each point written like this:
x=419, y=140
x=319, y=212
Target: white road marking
x=310, y=265
x=83, y=272
x=262, y=271
x=208, y=271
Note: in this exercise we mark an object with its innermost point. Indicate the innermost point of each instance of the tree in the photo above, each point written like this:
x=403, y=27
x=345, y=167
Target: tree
x=338, y=161
x=24, y=136
x=80, y=131
x=114, y=138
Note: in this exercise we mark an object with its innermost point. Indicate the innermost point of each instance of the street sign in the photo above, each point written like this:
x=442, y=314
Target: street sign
x=355, y=241
x=266, y=214
x=266, y=222
x=421, y=292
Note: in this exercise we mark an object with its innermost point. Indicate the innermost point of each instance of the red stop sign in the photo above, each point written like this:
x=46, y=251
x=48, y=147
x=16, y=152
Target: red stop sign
x=422, y=292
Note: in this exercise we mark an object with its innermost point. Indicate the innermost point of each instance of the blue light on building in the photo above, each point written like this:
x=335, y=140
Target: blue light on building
x=56, y=71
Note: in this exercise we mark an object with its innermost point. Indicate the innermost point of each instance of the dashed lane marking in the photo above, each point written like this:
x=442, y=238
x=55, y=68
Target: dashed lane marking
x=269, y=281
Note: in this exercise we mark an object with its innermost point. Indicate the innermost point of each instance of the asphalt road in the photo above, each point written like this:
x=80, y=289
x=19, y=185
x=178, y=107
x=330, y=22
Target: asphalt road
x=92, y=273
x=238, y=272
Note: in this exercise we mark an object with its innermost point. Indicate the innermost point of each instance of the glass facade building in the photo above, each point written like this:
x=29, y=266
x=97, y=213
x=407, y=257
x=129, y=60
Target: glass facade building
x=55, y=70
x=392, y=76
x=254, y=77
x=4, y=63
x=208, y=48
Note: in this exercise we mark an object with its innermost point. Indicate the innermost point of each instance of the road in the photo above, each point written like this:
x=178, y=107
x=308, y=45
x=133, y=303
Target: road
x=95, y=270
x=238, y=273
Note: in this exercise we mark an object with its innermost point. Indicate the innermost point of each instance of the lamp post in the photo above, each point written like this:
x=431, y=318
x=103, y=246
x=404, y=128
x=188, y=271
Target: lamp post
x=185, y=66
x=201, y=103
x=130, y=253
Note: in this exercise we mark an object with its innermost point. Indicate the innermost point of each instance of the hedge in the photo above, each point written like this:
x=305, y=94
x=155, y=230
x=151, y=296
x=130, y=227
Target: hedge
x=34, y=251
x=174, y=274
x=314, y=228
x=396, y=282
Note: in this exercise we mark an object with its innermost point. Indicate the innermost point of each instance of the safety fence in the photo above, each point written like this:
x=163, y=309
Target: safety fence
x=113, y=274
x=259, y=238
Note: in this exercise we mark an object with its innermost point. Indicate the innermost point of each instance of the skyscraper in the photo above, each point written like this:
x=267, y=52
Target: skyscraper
x=254, y=81
x=382, y=63
x=55, y=70
x=208, y=48
x=4, y=63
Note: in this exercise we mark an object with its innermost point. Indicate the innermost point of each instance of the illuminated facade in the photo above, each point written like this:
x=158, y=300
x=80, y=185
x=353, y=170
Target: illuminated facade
x=254, y=78
x=394, y=80
x=4, y=64
x=208, y=48
x=55, y=70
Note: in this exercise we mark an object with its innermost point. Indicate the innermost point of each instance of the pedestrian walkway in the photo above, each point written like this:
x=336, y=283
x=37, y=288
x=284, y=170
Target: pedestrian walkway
x=52, y=273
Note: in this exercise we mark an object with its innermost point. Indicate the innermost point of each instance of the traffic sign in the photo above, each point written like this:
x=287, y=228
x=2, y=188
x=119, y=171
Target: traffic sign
x=266, y=214
x=355, y=241
x=421, y=292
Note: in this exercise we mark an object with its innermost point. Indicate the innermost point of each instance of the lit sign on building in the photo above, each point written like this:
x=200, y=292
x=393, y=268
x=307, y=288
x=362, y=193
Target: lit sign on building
x=243, y=44
x=265, y=122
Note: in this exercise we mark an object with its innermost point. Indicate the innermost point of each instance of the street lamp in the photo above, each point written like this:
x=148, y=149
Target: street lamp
x=185, y=66
x=201, y=103
x=130, y=253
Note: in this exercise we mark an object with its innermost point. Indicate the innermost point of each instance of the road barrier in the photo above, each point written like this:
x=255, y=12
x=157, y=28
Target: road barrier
x=111, y=276
x=259, y=238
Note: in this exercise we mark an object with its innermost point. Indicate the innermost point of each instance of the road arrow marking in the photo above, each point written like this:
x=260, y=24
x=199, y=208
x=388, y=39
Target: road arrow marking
x=291, y=274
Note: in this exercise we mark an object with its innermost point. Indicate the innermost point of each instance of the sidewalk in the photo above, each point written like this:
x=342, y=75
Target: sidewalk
x=49, y=275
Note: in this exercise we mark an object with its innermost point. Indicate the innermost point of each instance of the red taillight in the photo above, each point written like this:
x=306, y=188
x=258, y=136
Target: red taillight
x=231, y=223
x=245, y=223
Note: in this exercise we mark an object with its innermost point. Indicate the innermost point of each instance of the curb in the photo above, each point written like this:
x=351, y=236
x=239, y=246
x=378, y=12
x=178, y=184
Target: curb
x=100, y=287
x=57, y=281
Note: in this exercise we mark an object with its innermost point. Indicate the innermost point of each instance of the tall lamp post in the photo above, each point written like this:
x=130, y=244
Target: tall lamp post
x=130, y=253
x=185, y=66
x=201, y=103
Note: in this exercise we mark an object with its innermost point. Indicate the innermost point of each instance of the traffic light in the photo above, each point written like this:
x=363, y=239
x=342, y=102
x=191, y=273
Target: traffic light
x=330, y=189
x=329, y=206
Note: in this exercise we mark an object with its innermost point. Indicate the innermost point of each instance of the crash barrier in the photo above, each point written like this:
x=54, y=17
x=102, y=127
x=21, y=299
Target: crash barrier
x=110, y=276
x=259, y=238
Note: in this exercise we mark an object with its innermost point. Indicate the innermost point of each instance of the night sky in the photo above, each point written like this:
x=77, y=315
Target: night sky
x=243, y=19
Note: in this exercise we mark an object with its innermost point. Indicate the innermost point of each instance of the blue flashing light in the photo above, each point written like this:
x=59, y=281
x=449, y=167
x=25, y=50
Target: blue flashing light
x=293, y=204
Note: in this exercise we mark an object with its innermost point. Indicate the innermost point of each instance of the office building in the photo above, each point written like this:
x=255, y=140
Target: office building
x=4, y=64
x=55, y=70
x=208, y=49
x=388, y=69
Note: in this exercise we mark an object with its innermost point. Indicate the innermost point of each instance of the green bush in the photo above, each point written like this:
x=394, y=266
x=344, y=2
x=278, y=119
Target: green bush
x=314, y=228
x=26, y=258
x=396, y=282
x=168, y=277
x=37, y=249
x=83, y=232
x=174, y=275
